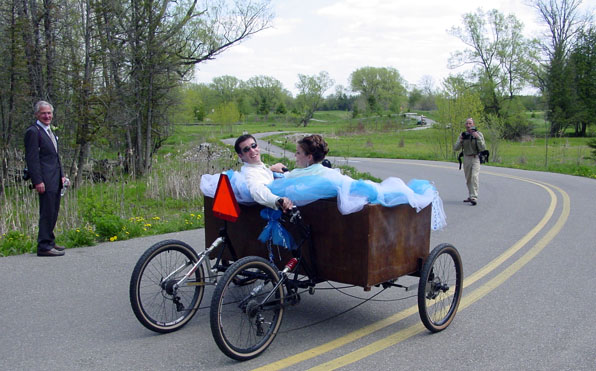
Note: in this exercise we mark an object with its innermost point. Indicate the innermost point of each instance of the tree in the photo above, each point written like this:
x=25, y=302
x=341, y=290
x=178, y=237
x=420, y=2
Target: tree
x=231, y=89
x=111, y=68
x=583, y=65
x=13, y=88
x=265, y=92
x=311, y=90
x=192, y=100
x=428, y=94
x=456, y=103
x=564, y=23
x=382, y=88
x=226, y=87
x=499, y=53
x=226, y=114
x=339, y=100
x=514, y=55
x=162, y=41
x=414, y=98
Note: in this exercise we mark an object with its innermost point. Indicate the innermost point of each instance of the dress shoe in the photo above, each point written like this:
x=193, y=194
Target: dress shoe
x=51, y=252
x=473, y=202
x=59, y=248
x=468, y=199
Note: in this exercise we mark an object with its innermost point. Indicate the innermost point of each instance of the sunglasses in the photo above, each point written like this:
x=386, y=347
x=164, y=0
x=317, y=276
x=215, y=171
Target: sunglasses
x=247, y=148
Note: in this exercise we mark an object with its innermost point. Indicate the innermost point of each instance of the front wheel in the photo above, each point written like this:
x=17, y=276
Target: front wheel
x=156, y=299
x=247, y=308
x=440, y=287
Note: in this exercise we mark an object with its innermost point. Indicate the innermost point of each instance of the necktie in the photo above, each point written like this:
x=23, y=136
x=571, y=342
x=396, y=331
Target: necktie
x=53, y=138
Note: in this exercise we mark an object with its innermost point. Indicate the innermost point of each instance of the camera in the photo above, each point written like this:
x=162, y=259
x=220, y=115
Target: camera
x=26, y=175
x=466, y=135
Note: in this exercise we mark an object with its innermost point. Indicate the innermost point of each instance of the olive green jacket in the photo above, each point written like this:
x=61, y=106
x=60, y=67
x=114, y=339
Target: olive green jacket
x=471, y=146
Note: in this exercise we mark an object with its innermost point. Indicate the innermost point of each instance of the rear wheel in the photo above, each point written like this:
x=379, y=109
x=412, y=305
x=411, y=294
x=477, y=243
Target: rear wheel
x=247, y=308
x=156, y=301
x=440, y=287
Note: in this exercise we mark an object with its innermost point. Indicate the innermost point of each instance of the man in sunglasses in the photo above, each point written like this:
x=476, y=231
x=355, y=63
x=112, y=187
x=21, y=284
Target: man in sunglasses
x=258, y=175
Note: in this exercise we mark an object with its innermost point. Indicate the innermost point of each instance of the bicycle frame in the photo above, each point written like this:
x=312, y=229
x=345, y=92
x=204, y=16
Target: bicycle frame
x=212, y=270
x=294, y=217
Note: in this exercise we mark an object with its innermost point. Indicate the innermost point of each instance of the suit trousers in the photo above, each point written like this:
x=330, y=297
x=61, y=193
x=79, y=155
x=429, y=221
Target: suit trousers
x=471, y=171
x=49, y=206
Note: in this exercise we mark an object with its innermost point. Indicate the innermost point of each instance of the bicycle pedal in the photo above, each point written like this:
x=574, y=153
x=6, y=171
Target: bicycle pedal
x=294, y=299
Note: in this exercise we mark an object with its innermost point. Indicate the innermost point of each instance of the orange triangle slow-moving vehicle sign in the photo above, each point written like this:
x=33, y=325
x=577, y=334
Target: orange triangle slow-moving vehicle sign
x=224, y=203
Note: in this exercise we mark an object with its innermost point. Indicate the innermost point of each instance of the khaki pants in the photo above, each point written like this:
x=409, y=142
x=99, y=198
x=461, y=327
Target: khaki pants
x=471, y=171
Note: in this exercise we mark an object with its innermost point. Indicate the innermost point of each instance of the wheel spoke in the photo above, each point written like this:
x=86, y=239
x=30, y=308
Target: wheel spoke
x=440, y=287
x=155, y=302
x=242, y=325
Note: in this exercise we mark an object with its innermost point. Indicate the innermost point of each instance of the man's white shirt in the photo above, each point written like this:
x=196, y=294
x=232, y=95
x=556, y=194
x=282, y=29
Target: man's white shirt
x=257, y=176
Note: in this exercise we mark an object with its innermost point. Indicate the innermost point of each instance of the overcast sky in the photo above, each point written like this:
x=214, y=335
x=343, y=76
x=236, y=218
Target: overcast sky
x=340, y=36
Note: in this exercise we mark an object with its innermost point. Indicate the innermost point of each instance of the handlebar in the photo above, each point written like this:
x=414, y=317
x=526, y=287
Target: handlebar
x=293, y=214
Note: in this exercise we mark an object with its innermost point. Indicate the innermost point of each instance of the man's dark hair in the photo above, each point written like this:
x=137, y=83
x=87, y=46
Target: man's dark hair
x=241, y=139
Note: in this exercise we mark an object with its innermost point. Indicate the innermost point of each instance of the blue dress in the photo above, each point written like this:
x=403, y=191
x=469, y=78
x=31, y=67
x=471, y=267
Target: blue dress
x=315, y=182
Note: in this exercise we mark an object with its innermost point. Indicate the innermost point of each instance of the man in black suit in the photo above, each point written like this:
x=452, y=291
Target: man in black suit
x=45, y=170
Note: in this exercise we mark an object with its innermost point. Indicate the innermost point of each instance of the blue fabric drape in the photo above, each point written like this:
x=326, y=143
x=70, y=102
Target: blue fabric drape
x=274, y=231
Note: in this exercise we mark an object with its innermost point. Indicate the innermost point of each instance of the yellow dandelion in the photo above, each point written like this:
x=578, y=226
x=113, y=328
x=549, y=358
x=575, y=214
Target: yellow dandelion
x=147, y=225
x=156, y=218
x=112, y=239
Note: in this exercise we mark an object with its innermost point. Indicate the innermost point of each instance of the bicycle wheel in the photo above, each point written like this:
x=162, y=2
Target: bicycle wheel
x=155, y=300
x=246, y=308
x=440, y=287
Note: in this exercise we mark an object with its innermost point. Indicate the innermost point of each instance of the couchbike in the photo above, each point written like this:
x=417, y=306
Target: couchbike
x=169, y=279
x=249, y=300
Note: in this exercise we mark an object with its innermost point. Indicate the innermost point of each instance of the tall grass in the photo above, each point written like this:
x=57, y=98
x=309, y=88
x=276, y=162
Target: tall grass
x=167, y=200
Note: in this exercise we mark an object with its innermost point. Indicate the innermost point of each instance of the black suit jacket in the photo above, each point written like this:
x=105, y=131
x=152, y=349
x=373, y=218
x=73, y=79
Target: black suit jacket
x=43, y=161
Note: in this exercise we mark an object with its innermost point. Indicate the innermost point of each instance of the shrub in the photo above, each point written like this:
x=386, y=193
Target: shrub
x=515, y=123
x=78, y=237
x=15, y=243
x=93, y=208
x=108, y=226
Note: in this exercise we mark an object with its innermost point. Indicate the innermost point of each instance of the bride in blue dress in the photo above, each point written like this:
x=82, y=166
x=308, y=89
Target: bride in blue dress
x=312, y=181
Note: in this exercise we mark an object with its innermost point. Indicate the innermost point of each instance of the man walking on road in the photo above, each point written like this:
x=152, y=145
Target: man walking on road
x=472, y=143
x=45, y=171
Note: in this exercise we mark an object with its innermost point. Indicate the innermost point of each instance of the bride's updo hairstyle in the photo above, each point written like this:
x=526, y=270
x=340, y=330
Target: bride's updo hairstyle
x=314, y=145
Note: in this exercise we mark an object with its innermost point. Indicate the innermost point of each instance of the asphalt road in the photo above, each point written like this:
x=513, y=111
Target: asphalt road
x=528, y=252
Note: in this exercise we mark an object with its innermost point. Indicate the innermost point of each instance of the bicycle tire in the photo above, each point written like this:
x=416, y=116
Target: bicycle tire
x=440, y=287
x=155, y=302
x=242, y=327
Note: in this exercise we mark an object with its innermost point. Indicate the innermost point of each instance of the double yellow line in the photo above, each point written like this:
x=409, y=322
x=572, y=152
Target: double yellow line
x=466, y=301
